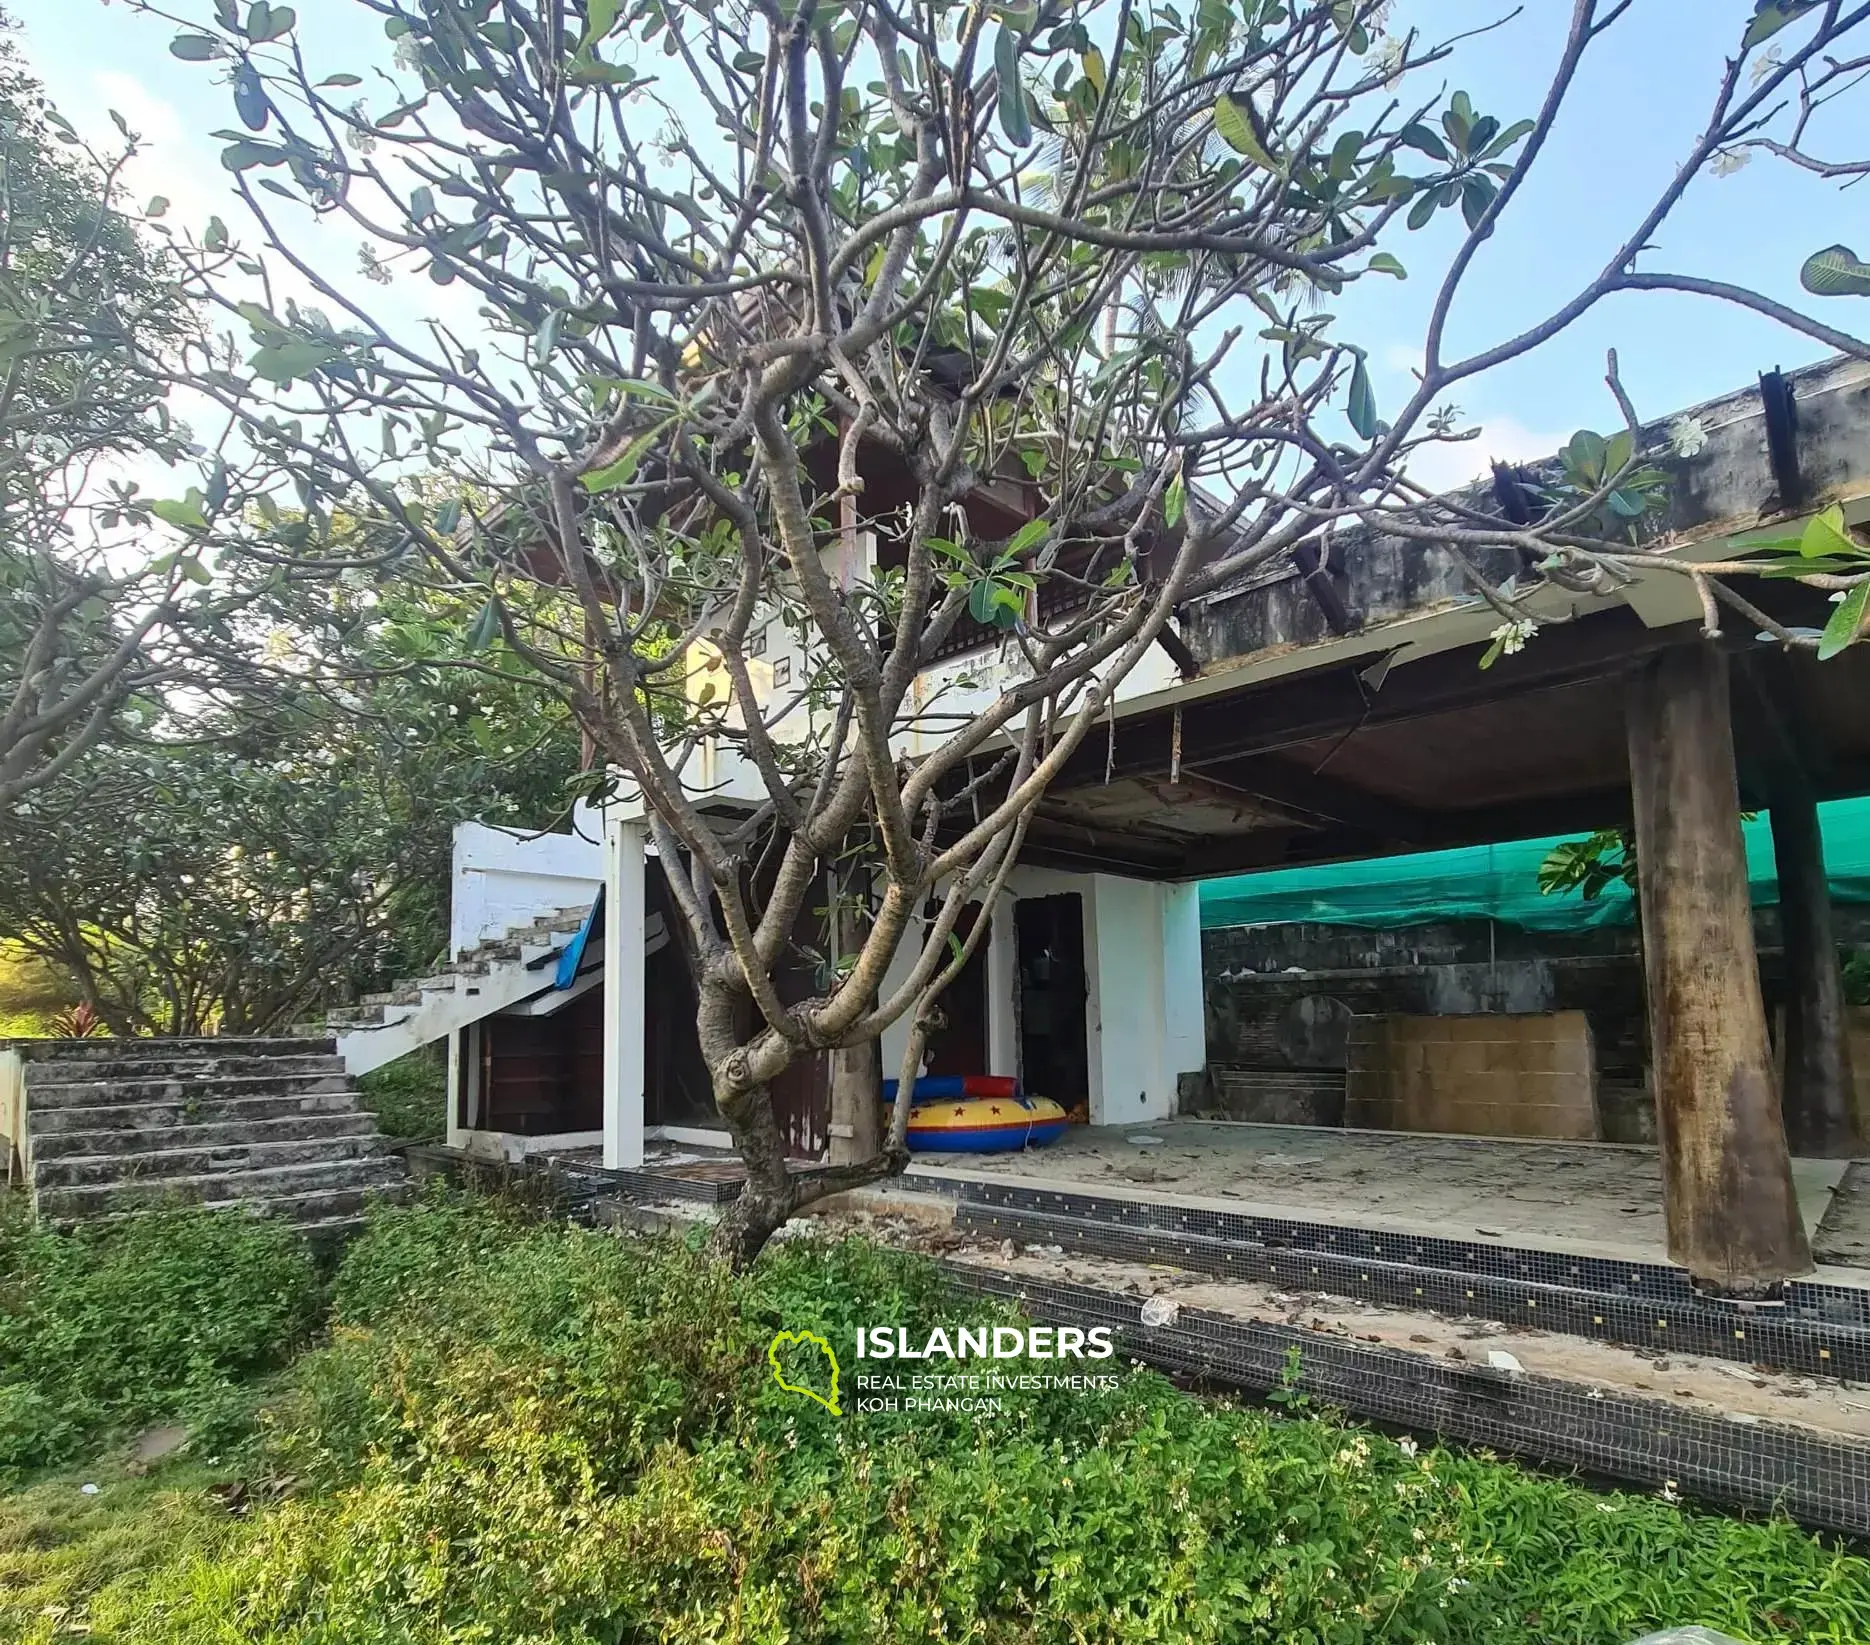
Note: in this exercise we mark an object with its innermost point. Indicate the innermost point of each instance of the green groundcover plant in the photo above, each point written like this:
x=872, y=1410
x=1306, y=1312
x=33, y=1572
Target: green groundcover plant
x=525, y=1433
x=158, y=1317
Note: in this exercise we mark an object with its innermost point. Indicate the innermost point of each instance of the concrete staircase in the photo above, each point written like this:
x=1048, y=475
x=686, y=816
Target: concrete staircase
x=493, y=975
x=275, y=1124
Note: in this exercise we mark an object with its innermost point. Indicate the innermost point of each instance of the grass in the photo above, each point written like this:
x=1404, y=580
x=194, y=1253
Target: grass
x=527, y=1433
x=409, y=1097
x=160, y=1317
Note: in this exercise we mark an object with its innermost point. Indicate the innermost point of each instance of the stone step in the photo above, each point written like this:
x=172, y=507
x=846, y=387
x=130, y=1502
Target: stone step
x=98, y=1093
x=221, y=1187
x=107, y=1049
x=357, y=1016
x=199, y=1160
x=323, y=1211
x=47, y=1081
x=129, y=1141
x=155, y=1113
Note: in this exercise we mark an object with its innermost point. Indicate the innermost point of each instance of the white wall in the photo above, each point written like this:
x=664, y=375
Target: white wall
x=505, y=878
x=1143, y=1004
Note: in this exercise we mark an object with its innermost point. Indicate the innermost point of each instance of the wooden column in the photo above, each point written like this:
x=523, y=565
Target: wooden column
x=1732, y=1217
x=1819, y=1099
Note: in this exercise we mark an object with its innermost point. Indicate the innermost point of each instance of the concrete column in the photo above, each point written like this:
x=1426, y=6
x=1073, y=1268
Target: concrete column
x=624, y=916
x=1732, y=1217
x=1185, y=1033
x=1819, y=1099
x=1003, y=990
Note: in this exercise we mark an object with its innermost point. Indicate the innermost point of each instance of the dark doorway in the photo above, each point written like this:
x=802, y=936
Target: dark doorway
x=1053, y=1059
x=960, y=1046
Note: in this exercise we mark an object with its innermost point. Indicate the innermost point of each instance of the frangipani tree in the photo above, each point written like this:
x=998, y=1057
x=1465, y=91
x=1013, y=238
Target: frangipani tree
x=879, y=320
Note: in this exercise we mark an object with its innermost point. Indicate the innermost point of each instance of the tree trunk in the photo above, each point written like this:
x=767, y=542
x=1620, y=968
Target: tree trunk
x=856, y=1103
x=1732, y=1217
x=766, y=1200
x=1819, y=1099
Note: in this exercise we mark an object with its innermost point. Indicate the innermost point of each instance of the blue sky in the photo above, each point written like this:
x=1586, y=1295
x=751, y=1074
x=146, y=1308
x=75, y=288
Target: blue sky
x=1638, y=105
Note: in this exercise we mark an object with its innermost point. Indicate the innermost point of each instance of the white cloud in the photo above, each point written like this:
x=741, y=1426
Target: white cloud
x=1501, y=439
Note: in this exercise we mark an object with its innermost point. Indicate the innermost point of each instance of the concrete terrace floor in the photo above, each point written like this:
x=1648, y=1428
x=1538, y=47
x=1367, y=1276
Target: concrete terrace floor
x=1599, y=1199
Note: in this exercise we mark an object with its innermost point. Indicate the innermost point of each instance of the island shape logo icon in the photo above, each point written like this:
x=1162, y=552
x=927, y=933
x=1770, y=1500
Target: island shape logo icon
x=798, y=1347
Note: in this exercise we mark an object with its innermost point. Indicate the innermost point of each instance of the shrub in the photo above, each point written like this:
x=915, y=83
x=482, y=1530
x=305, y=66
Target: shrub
x=409, y=1097
x=561, y=1436
x=151, y=1318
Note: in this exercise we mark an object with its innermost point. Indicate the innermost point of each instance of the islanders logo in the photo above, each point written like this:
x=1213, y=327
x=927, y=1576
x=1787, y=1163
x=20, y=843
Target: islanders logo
x=800, y=1362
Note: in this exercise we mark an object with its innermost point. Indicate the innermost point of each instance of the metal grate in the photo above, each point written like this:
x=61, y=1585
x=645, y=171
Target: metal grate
x=1820, y=1480
x=1819, y=1329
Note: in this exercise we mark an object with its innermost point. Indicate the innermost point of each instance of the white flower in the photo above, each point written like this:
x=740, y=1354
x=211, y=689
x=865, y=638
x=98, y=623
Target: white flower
x=1511, y=637
x=1765, y=63
x=1729, y=161
x=1687, y=436
x=362, y=137
x=408, y=53
x=1407, y=1446
x=1668, y=1493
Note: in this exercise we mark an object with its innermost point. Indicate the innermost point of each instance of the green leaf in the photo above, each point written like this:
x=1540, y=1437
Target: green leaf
x=285, y=362
x=486, y=627
x=266, y=22
x=240, y=156
x=1421, y=137
x=196, y=572
x=1769, y=17
x=1384, y=263
x=214, y=237
x=421, y=203
x=341, y=80
x=195, y=48
x=448, y=517
x=1845, y=624
x=1014, y=120
x=599, y=18
x=1825, y=535
x=1508, y=138
x=1174, y=503
x=1585, y=456
x=157, y=206
x=1032, y=532
x=1362, y=409
x=184, y=512
x=1235, y=125
x=1835, y=272
x=1424, y=209
x=980, y=601
x=250, y=98
x=1094, y=69
x=623, y=470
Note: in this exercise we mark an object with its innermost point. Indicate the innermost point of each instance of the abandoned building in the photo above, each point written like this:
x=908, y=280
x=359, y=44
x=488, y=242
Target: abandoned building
x=1335, y=714
x=1278, y=941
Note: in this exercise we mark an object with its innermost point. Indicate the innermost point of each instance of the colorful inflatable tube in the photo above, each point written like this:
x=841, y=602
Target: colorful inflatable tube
x=984, y=1125
x=950, y=1087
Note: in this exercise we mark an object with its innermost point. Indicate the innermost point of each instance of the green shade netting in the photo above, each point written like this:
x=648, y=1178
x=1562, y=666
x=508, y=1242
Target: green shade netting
x=1500, y=882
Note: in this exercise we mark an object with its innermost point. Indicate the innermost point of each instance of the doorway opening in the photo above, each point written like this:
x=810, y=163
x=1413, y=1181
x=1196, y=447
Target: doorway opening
x=960, y=1045
x=1054, y=1060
